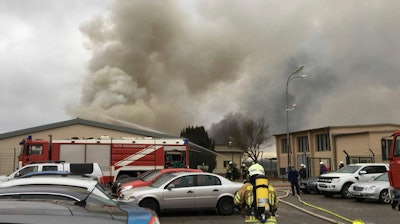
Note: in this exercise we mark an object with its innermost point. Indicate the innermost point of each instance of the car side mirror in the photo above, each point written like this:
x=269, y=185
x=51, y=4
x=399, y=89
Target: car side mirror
x=171, y=186
x=362, y=172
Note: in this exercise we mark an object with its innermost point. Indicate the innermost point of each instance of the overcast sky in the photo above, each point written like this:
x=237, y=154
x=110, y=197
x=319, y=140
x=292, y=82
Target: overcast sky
x=166, y=65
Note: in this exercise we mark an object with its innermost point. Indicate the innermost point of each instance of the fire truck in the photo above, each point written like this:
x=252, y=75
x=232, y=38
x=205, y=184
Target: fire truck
x=118, y=158
x=394, y=164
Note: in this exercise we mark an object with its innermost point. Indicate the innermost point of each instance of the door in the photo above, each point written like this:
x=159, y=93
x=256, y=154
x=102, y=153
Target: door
x=181, y=196
x=207, y=191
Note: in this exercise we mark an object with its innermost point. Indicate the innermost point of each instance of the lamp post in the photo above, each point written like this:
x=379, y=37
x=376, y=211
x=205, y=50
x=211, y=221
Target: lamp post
x=290, y=78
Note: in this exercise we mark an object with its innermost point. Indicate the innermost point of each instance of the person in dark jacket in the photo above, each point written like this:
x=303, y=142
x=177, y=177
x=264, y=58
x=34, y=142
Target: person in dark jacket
x=303, y=172
x=293, y=177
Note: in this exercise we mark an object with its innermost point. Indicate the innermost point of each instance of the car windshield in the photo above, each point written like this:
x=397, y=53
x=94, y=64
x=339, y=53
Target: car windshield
x=151, y=175
x=348, y=169
x=145, y=174
x=382, y=177
x=161, y=180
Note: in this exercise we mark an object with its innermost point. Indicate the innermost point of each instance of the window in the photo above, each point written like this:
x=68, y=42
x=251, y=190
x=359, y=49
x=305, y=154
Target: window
x=226, y=163
x=35, y=150
x=207, y=180
x=323, y=143
x=284, y=145
x=26, y=170
x=186, y=181
x=396, y=152
x=375, y=169
x=50, y=168
x=303, y=144
x=385, y=144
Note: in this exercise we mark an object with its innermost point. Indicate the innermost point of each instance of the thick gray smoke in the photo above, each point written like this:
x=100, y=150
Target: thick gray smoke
x=170, y=64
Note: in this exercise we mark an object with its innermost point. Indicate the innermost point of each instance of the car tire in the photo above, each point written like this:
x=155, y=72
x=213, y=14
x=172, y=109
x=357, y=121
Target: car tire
x=384, y=197
x=151, y=204
x=345, y=191
x=225, y=206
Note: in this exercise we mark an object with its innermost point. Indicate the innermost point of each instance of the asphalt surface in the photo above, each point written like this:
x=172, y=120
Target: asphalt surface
x=336, y=210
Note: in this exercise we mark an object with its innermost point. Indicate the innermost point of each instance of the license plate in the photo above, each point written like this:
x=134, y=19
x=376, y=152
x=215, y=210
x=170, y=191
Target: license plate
x=322, y=185
x=356, y=193
x=302, y=186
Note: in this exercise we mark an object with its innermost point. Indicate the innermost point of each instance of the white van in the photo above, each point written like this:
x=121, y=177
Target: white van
x=90, y=169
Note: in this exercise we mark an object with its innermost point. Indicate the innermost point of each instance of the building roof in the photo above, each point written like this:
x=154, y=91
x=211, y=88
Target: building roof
x=343, y=126
x=87, y=123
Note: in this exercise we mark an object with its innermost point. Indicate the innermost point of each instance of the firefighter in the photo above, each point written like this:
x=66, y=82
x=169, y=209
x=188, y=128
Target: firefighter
x=244, y=171
x=229, y=171
x=257, y=200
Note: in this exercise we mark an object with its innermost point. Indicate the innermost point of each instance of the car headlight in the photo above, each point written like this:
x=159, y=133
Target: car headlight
x=335, y=180
x=372, y=188
x=126, y=188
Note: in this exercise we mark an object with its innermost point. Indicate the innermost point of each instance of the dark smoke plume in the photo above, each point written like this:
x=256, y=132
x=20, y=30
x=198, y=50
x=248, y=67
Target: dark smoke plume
x=170, y=64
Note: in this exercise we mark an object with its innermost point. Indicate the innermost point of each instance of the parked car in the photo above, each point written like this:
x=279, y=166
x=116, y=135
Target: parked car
x=71, y=202
x=83, y=182
x=338, y=182
x=151, y=177
x=182, y=191
x=116, y=184
x=90, y=169
x=377, y=189
x=309, y=185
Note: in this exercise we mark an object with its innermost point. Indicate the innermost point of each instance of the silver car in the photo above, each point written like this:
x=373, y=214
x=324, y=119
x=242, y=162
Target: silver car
x=181, y=191
x=377, y=189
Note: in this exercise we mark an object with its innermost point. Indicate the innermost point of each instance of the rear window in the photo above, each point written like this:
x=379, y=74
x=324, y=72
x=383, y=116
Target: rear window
x=81, y=168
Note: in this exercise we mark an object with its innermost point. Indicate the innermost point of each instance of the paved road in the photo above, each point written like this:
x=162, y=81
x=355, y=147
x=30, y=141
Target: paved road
x=348, y=209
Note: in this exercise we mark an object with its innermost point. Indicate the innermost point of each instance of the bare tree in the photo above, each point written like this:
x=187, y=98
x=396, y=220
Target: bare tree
x=249, y=135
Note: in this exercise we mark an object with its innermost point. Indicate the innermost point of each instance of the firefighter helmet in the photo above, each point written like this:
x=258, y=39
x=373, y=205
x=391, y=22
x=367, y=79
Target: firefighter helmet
x=256, y=169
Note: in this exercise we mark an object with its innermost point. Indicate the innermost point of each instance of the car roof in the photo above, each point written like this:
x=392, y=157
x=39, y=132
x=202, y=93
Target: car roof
x=69, y=181
x=180, y=169
x=48, y=212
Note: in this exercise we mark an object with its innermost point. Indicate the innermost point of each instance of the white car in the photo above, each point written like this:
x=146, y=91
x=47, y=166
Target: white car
x=181, y=191
x=87, y=183
x=377, y=189
x=338, y=182
x=90, y=169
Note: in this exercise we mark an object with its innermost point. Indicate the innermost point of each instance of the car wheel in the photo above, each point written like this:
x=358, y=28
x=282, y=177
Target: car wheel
x=384, y=197
x=151, y=204
x=345, y=191
x=225, y=206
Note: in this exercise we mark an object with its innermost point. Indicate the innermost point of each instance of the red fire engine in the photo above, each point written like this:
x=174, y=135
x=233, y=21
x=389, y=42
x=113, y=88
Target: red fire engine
x=118, y=158
x=394, y=164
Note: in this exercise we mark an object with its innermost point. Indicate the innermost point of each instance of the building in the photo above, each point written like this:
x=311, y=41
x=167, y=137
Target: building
x=225, y=154
x=332, y=144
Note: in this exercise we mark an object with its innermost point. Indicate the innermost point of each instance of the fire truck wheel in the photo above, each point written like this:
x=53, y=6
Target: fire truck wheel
x=225, y=206
x=150, y=203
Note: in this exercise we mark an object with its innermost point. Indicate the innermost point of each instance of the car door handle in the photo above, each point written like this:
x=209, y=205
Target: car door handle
x=190, y=192
x=215, y=190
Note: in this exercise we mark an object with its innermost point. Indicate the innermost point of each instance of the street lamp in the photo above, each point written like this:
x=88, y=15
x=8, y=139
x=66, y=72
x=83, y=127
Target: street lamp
x=291, y=77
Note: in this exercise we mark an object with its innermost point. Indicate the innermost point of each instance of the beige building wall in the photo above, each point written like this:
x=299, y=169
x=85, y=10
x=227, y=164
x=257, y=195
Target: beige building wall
x=358, y=140
x=226, y=154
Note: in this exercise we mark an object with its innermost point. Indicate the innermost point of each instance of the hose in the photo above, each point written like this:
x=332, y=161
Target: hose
x=319, y=208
